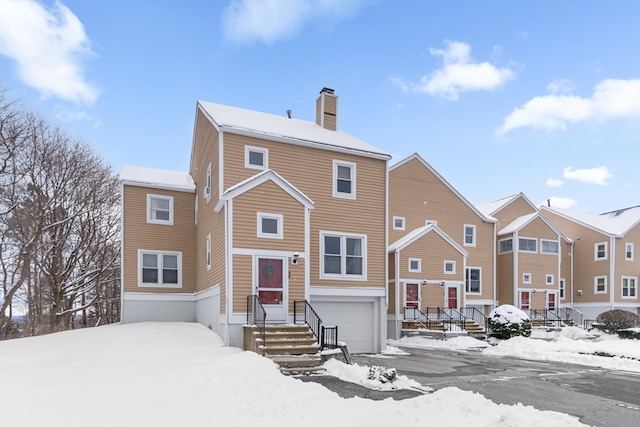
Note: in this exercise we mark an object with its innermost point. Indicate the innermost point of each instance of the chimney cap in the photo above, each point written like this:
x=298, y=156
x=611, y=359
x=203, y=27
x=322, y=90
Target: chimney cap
x=327, y=90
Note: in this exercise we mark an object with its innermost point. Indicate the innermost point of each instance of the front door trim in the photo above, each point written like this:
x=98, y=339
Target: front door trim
x=275, y=312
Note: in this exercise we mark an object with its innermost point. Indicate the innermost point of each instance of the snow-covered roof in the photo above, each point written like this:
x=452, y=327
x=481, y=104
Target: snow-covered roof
x=517, y=224
x=271, y=126
x=482, y=215
x=615, y=223
x=414, y=235
x=490, y=208
x=156, y=178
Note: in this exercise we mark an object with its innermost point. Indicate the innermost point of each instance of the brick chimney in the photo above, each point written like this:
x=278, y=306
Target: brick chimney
x=327, y=109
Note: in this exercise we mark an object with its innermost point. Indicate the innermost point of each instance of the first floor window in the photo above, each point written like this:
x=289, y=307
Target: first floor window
x=629, y=287
x=472, y=280
x=600, y=284
x=562, y=288
x=343, y=255
x=160, y=269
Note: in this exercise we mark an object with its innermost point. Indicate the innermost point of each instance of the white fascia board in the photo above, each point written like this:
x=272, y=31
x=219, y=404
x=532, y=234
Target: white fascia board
x=346, y=292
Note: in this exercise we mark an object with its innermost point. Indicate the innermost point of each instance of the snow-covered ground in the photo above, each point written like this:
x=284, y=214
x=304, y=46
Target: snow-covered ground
x=569, y=345
x=180, y=374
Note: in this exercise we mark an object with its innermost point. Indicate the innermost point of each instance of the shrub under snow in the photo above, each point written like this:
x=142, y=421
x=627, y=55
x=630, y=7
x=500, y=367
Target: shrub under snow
x=507, y=321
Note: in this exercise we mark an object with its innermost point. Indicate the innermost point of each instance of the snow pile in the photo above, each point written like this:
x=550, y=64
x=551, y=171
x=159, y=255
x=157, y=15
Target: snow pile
x=457, y=343
x=373, y=377
x=506, y=314
x=394, y=351
x=179, y=374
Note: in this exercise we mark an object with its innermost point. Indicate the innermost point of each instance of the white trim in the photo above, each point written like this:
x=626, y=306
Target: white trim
x=527, y=278
x=265, y=157
x=153, y=296
x=279, y=225
x=595, y=285
x=195, y=211
x=346, y=292
x=546, y=279
x=352, y=168
x=595, y=251
x=469, y=300
x=453, y=263
x=206, y=191
x=474, y=236
x=209, y=292
x=415, y=270
x=208, y=253
x=343, y=255
x=221, y=165
x=267, y=252
x=628, y=245
x=562, y=289
x=159, y=255
x=635, y=287
x=527, y=250
x=398, y=227
x=430, y=222
x=159, y=221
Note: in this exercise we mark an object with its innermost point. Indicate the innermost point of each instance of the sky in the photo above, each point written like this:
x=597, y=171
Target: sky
x=500, y=97
x=168, y=374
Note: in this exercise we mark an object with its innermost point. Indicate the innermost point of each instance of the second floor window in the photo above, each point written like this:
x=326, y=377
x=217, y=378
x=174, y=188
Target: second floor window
x=398, y=223
x=270, y=225
x=159, y=209
x=600, y=251
x=628, y=251
x=527, y=245
x=343, y=256
x=549, y=247
x=472, y=280
x=256, y=158
x=505, y=246
x=469, y=235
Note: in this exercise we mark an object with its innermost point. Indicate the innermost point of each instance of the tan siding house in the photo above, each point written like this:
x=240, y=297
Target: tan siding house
x=274, y=209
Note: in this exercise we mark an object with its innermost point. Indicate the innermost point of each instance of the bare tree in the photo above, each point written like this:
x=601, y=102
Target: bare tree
x=59, y=226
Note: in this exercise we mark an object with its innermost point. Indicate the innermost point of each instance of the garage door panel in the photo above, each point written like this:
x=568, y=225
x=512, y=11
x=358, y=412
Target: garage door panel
x=354, y=321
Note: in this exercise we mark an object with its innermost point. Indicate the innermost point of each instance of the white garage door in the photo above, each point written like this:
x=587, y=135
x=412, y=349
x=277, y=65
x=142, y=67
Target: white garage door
x=354, y=320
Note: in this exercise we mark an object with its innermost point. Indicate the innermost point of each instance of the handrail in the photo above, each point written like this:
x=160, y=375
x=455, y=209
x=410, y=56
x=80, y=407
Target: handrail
x=257, y=315
x=475, y=315
x=421, y=316
x=573, y=315
x=327, y=337
x=455, y=313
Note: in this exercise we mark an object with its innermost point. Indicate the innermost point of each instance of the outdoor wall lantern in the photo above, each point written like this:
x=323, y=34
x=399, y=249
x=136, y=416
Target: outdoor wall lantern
x=294, y=258
x=579, y=292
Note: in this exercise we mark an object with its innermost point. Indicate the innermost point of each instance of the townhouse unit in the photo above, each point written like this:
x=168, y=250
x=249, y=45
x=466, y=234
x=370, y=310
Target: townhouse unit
x=272, y=206
x=442, y=248
x=605, y=265
x=533, y=256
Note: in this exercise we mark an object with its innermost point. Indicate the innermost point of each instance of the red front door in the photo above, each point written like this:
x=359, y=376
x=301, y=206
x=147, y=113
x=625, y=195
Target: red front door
x=525, y=303
x=452, y=297
x=413, y=299
x=551, y=301
x=271, y=287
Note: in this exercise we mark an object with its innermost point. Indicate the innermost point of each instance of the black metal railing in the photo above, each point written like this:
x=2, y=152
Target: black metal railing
x=457, y=317
x=546, y=316
x=256, y=315
x=327, y=336
x=476, y=315
x=573, y=316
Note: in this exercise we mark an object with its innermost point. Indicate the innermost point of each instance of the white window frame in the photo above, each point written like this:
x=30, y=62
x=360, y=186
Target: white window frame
x=208, y=251
x=195, y=211
x=467, y=287
x=280, y=225
x=206, y=191
x=418, y=269
x=500, y=251
x=352, y=167
x=595, y=285
x=628, y=279
x=595, y=251
x=542, y=250
x=527, y=250
x=628, y=251
x=527, y=278
x=343, y=256
x=549, y=279
x=430, y=222
x=452, y=264
x=159, y=258
x=398, y=227
x=562, y=288
x=150, y=218
x=248, y=149
x=473, y=235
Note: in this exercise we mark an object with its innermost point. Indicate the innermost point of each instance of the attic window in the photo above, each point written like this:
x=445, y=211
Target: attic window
x=398, y=223
x=344, y=179
x=256, y=157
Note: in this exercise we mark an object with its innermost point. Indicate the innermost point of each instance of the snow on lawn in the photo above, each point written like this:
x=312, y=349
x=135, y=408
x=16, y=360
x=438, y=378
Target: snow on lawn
x=180, y=374
x=569, y=345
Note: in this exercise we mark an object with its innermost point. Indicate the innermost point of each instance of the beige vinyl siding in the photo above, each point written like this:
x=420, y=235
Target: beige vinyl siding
x=391, y=294
x=538, y=264
x=419, y=195
x=310, y=170
x=268, y=198
x=138, y=234
x=433, y=296
x=242, y=282
x=624, y=267
x=505, y=278
x=513, y=210
x=565, y=268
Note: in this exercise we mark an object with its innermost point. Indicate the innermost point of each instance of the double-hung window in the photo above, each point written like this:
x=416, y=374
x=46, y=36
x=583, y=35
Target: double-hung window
x=469, y=235
x=562, y=288
x=344, y=179
x=256, y=158
x=159, y=209
x=628, y=251
x=549, y=247
x=600, y=284
x=600, y=251
x=159, y=269
x=343, y=255
x=527, y=245
x=472, y=280
x=629, y=287
x=209, y=251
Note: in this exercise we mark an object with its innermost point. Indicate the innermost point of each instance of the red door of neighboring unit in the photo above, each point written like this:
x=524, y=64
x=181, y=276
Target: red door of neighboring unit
x=524, y=300
x=413, y=300
x=551, y=302
x=452, y=297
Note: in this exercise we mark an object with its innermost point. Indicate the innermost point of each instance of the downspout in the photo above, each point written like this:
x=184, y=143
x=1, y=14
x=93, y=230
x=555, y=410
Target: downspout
x=495, y=265
x=572, y=262
x=386, y=245
x=228, y=273
x=515, y=269
x=612, y=272
x=307, y=248
x=121, y=253
x=397, y=284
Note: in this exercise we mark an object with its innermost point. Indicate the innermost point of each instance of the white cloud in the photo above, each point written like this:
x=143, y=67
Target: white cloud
x=246, y=21
x=459, y=73
x=48, y=46
x=612, y=99
x=560, y=202
x=560, y=86
x=551, y=182
x=596, y=176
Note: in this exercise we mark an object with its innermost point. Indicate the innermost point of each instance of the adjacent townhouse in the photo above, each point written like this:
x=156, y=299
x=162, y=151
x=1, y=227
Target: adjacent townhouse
x=605, y=263
x=272, y=206
x=442, y=248
x=533, y=256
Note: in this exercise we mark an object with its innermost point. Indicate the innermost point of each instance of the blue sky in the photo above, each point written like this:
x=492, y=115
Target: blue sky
x=539, y=97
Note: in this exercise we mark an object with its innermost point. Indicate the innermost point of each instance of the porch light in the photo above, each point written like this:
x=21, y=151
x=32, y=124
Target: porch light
x=294, y=259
